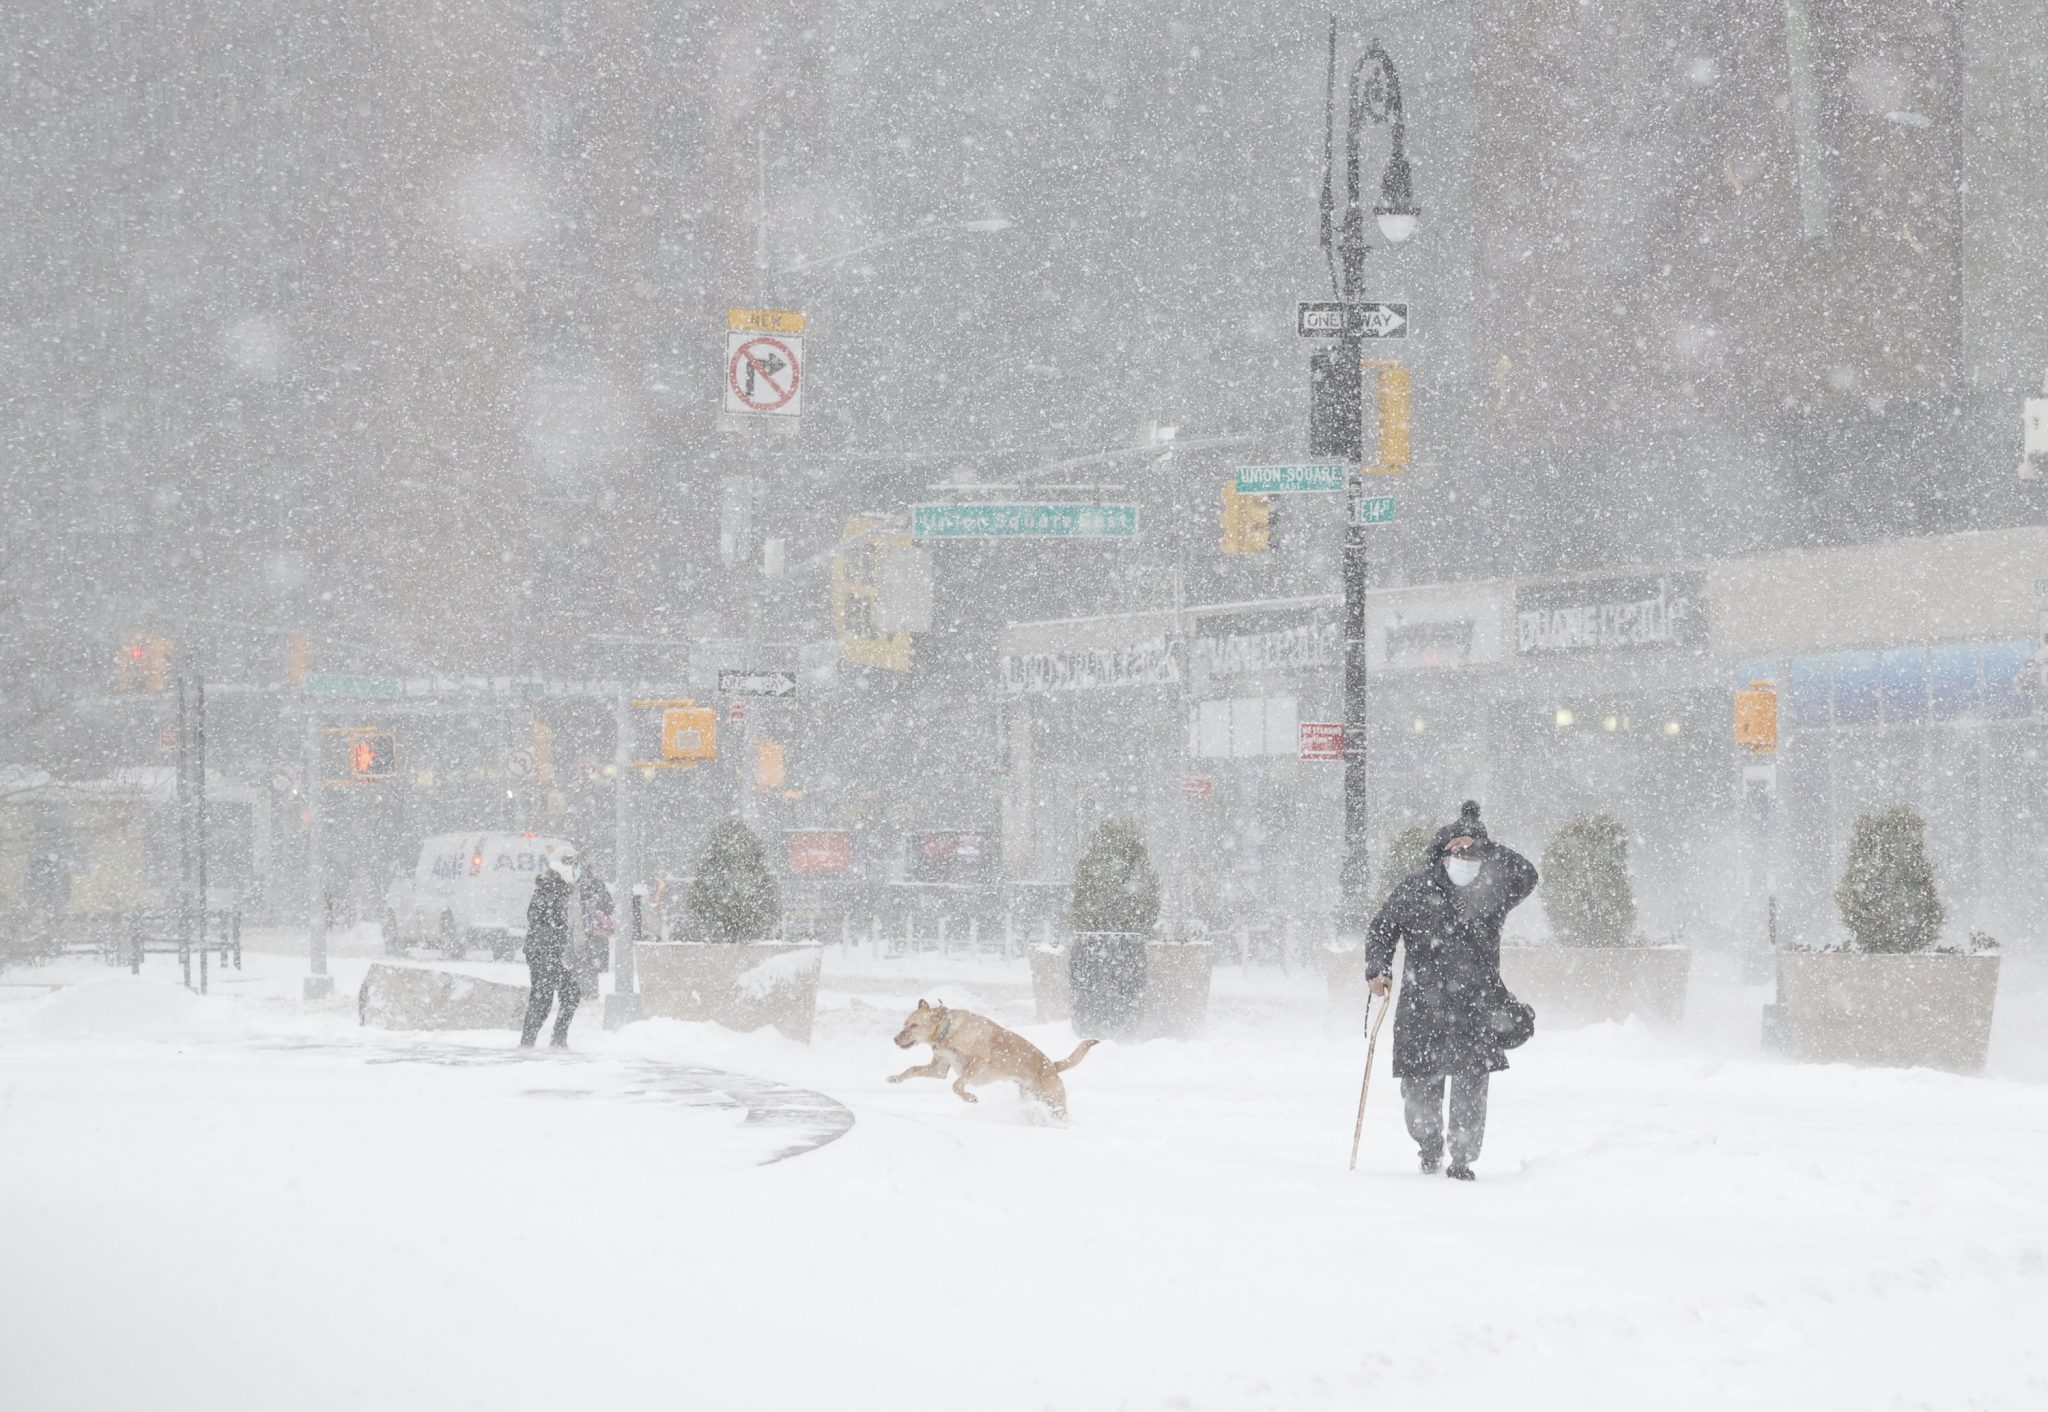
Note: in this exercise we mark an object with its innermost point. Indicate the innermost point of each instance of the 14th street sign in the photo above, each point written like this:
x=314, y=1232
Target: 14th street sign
x=1330, y=318
x=734, y=683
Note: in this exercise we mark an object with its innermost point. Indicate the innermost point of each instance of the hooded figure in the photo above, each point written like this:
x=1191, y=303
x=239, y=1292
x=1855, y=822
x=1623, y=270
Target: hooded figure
x=547, y=939
x=1449, y=916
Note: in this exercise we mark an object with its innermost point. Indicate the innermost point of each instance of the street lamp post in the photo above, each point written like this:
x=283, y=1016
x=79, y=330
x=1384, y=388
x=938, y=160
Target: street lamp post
x=1336, y=415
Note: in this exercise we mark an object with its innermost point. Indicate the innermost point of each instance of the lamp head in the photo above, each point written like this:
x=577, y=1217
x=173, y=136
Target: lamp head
x=1396, y=211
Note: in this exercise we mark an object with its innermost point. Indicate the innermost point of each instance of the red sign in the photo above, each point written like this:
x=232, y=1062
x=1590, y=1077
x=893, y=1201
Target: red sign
x=763, y=374
x=1322, y=740
x=1199, y=784
x=821, y=851
x=737, y=711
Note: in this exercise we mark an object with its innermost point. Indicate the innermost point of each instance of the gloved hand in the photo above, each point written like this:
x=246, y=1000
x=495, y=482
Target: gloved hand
x=1380, y=985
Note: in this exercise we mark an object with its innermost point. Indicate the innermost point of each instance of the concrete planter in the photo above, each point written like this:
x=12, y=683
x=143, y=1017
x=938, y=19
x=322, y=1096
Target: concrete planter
x=1930, y=1009
x=1176, y=989
x=1176, y=1004
x=742, y=985
x=1051, y=992
x=416, y=998
x=1588, y=985
x=1343, y=980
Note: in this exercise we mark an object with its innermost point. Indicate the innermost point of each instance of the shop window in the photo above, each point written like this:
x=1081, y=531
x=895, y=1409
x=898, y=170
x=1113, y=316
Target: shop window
x=1247, y=726
x=1952, y=681
x=1212, y=729
x=1902, y=684
x=2003, y=663
x=1805, y=700
x=1855, y=688
x=1283, y=718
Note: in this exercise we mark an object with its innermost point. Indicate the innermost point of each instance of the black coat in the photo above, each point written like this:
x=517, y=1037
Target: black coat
x=1452, y=972
x=547, y=915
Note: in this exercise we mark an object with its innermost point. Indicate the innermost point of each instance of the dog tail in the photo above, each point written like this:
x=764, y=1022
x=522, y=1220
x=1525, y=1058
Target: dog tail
x=1076, y=1057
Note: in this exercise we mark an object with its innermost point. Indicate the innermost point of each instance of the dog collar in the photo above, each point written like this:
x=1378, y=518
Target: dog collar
x=946, y=1028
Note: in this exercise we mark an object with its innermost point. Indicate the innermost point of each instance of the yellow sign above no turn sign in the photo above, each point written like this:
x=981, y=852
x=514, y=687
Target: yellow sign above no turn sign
x=764, y=321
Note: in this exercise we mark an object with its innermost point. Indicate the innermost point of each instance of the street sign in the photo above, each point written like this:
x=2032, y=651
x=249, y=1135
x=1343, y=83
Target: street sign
x=763, y=374
x=1199, y=785
x=1375, y=510
x=1024, y=521
x=764, y=321
x=337, y=684
x=737, y=683
x=1290, y=480
x=521, y=763
x=1330, y=318
x=1321, y=740
x=2041, y=588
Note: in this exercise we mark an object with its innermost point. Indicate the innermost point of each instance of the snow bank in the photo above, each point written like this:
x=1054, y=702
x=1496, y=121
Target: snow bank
x=127, y=1007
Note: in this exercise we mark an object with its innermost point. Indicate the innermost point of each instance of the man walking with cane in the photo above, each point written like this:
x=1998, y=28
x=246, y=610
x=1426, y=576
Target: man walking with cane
x=1455, y=1021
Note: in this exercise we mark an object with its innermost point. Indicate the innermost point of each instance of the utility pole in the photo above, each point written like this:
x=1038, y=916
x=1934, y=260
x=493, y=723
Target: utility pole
x=319, y=985
x=1336, y=413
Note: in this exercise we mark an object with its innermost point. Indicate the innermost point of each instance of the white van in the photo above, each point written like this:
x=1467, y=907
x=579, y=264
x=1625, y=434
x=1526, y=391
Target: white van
x=471, y=890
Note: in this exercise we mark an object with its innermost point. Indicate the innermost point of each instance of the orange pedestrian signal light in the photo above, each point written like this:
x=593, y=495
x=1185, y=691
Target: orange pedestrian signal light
x=1756, y=718
x=372, y=755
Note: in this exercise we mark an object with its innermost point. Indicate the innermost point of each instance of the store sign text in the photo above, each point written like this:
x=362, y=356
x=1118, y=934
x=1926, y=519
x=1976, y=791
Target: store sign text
x=1610, y=615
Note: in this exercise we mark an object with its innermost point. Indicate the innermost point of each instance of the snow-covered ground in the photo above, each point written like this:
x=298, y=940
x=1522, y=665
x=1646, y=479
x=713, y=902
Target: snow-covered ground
x=246, y=1202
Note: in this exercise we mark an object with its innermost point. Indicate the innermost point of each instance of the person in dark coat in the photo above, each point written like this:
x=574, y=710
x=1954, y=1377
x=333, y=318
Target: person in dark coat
x=1448, y=916
x=547, y=946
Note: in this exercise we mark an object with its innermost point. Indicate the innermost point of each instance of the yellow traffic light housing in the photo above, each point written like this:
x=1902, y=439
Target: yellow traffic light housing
x=1756, y=718
x=1247, y=522
x=1394, y=395
x=768, y=766
x=298, y=659
x=144, y=663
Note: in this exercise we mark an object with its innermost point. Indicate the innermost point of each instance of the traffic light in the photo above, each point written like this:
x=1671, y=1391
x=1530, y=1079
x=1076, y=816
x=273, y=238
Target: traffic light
x=768, y=767
x=144, y=663
x=298, y=659
x=1247, y=522
x=1394, y=395
x=1334, y=409
x=1756, y=718
x=372, y=755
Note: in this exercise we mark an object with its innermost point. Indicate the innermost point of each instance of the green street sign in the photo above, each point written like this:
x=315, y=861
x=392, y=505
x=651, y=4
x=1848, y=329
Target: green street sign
x=362, y=688
x=1375, y=510
x=2041, y=588
x=1290, y=480
x=1023, y=521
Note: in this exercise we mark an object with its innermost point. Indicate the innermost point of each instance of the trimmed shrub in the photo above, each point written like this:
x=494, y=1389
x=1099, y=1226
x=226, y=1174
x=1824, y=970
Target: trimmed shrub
x=733, y=896
x=1886, y=896
x=1404, y=855
x=1115, y=889
x=1586, y=892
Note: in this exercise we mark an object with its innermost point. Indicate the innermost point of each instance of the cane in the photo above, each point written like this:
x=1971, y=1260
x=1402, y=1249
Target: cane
x=1372, y=1040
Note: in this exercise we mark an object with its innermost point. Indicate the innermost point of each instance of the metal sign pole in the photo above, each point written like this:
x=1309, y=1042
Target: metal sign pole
x=319, y=985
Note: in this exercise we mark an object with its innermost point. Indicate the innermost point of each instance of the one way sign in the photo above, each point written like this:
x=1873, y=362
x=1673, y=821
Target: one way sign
x=1330, y=318
x=733, y=683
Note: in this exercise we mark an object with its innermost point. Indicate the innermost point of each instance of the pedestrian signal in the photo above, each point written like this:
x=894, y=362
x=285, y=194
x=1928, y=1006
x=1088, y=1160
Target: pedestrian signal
x=372, y=755
x=689, y=733
x=1756, y=718
x=144, y=663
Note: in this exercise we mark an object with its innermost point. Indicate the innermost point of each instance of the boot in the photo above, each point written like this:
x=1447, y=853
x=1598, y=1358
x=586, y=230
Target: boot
x=1459, y=1172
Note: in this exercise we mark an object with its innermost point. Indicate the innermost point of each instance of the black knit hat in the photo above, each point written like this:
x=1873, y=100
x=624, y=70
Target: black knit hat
x=1468, y=826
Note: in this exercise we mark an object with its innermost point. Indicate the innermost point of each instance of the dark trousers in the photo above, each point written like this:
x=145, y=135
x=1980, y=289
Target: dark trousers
x=551, y=978
x=1423, y=1100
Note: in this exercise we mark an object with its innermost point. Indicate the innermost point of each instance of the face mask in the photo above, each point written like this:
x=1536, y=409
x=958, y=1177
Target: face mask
x=1462, y=870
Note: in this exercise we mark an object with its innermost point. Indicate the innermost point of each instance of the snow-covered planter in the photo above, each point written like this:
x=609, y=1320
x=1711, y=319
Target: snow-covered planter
x=1051, y=990
x=1584, y=985
x=1889, y=998
x=417, y=998
x=1933, y=1009
x=1176, y=1004
x=743, y=985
